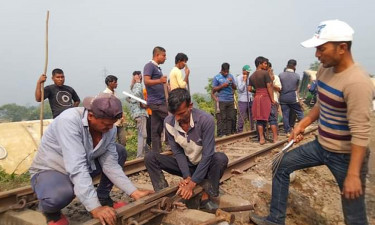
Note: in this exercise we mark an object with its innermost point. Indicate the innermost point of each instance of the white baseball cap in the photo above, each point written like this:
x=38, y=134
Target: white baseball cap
x=330, y=30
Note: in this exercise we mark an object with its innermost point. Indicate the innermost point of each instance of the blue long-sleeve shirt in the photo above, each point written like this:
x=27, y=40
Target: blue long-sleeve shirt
x=67, y=147
x=243, y=94
x=195, y=147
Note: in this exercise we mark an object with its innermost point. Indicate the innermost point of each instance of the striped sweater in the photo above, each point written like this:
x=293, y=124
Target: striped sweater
x=345, y=101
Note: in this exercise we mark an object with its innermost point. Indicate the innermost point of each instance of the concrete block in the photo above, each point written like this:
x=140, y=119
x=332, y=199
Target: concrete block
x=258, y=183
x=24, y=217
x=230, y=201
x=187, y=217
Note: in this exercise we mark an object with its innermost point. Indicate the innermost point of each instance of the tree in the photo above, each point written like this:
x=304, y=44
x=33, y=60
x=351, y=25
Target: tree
x=204, y=101
x=314, y=66
x=13, y=112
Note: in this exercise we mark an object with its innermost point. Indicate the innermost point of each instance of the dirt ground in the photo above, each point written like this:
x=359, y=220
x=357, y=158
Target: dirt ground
x=314, y=197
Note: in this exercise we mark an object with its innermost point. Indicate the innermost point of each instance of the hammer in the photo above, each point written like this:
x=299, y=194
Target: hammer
x=220, y=217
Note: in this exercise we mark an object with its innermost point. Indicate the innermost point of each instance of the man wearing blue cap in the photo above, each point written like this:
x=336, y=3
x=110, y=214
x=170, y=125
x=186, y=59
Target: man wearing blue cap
x=78, y=145
x=343, y=110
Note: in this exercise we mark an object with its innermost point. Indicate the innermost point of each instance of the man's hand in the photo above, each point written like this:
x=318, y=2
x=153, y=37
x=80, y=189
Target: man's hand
x=225, y=85
x=184, y=182
x=42, y=78
x=352, y=187
x=141, y=193
x=297, y=134
x=186, y=191
x=187, y=70
x=163, y=79
x=105, y=214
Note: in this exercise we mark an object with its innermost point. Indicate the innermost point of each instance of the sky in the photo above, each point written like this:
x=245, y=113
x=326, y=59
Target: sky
x=90, y=39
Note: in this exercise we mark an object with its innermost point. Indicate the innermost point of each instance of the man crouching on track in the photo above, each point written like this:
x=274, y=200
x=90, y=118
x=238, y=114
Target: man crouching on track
x=190, y=134
x=78, y=145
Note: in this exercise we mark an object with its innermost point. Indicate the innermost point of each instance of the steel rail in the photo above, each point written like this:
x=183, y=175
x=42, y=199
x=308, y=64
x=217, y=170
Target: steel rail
x=143, y=210
x=16, y=197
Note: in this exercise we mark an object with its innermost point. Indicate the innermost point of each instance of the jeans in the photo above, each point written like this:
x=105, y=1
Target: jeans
x=227, y=116
x=310, y=155
x=159, y=112
x=286, y=108
x=55, y=190
x=155, y=163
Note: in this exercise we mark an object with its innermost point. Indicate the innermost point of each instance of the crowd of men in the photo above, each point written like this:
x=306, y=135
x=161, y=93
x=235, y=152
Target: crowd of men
x=80, y=143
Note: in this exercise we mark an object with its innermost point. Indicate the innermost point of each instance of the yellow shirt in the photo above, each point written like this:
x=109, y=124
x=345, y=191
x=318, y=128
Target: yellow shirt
x=175, y=79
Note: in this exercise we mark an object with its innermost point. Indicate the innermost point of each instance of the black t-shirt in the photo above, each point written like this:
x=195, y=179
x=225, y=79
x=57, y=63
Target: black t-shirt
x=259, y=79
x=60, y=98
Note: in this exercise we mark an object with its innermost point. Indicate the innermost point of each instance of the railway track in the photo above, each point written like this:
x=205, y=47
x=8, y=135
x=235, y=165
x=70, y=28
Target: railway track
x=144, y=210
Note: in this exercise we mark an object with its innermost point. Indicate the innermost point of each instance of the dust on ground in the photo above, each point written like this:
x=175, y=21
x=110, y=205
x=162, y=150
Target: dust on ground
x=314, y=197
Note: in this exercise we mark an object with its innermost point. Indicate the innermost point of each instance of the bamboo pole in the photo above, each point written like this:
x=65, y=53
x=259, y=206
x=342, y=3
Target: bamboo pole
x=42, y=85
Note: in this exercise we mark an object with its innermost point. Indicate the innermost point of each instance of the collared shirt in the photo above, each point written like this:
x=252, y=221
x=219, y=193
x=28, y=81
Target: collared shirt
x=195, y=147
x=276, y=83
x=135, y=108
x=243, y=94
x=289, y=81
x=155, y=92
x=67, y=147
x=225, y=94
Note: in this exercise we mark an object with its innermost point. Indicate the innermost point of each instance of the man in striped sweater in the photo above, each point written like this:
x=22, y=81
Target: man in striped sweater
x=343, y=110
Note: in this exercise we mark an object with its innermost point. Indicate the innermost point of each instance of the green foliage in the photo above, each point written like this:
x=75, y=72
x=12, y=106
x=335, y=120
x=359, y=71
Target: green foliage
x=314, y=66
x=10, y=181
x=204, y=101
x=131, y=133
x=14, y=112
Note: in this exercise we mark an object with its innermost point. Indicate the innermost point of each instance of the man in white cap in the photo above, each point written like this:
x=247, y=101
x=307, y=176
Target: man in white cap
x=78, y=145
x=343, y=112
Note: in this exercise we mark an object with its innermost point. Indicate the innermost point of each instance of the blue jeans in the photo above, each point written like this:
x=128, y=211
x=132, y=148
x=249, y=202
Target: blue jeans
x=55, y=190
x=286, y=109
x=309, y=155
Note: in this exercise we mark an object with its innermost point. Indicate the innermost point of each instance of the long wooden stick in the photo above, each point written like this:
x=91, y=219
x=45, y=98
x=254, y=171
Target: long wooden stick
x=42, y=85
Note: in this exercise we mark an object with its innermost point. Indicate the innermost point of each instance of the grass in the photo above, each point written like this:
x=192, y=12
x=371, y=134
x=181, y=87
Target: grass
x=11, y=181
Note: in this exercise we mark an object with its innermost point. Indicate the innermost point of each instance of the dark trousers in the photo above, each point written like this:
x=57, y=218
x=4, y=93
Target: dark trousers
x=219, y=125
x=155, y=163
x=227, y=116
x=159, y=112
x=121, y=135
x=286, y=109
x=55, y=190
x=245, y=114
x=148, y=129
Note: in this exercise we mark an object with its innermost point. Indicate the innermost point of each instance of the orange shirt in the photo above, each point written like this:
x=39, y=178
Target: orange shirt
x=149, y=111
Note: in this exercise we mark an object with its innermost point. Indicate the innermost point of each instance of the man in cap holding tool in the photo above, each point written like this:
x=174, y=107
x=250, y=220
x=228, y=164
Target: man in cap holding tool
x=343, y=110
x=245, y=99
x=78, y=145
x=191, y=135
